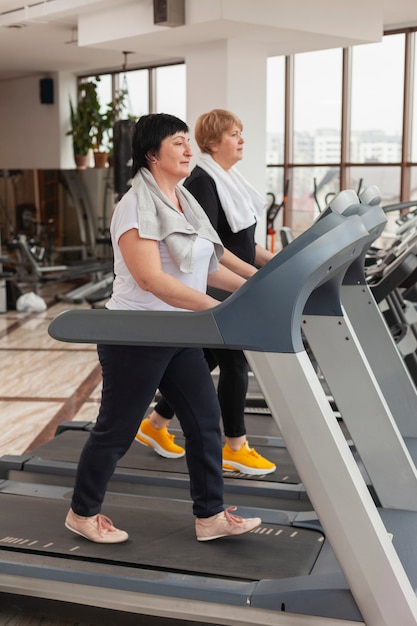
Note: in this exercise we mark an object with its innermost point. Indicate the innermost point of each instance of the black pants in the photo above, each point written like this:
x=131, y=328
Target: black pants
x=131, y=375
x=232, y=389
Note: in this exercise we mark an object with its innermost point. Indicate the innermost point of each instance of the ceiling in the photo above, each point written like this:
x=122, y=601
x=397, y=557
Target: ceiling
x=45, y=36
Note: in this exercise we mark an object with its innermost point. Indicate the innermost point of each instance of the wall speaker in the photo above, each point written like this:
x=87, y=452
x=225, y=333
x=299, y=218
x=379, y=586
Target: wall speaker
x=46, y=90
x=169, y=12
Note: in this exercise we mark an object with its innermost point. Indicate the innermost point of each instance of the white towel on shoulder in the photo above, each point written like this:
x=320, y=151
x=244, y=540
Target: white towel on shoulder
x=241, y=203
x=158, y=219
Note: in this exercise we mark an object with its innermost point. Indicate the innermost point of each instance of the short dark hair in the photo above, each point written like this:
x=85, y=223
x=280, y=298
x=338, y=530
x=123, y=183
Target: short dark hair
x=150, y=131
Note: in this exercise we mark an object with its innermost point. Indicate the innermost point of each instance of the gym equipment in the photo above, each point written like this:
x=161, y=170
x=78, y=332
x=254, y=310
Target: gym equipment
x=380, y=573
x=392, y=373
x=378, y=344
x=391, y=276
x=33, y=264
x=367, y=373
x=330, y=176
x=122, y=139
x=271, y=215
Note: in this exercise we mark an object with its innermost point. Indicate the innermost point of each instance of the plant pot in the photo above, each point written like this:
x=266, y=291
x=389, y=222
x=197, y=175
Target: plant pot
x=81, y=161
x=100, y=159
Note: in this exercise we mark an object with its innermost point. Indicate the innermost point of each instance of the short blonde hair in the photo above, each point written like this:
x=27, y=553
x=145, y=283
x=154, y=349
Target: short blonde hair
x=210, y=127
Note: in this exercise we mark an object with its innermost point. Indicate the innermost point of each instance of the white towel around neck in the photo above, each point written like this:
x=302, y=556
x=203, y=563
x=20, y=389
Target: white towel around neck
x=158, y=219
x=241, y=203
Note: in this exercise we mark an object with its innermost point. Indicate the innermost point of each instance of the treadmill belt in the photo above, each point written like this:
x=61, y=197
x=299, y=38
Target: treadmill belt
x=259, y=423
x=67, y=446
x=162, y=537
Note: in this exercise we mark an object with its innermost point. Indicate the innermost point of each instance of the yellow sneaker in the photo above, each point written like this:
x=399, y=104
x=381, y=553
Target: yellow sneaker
x=160, y=440
x=246, y=460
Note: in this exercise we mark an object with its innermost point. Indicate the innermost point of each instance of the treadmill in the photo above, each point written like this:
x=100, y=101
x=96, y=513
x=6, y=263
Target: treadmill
x=392, y=282
x=352, y=571
x=385, y=397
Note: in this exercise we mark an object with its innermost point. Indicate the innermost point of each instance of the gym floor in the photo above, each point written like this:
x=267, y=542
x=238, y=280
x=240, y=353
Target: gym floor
x=43, y=383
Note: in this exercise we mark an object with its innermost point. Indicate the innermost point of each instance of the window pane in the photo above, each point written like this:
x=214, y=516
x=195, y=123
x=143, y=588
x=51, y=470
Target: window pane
x=274, y=196
x=414, y=112
x=171, y=90
x=313, y=187
x=377, y=101
x=137, y=85
x=387, y=179
x=317, y=106
x=274, y=180
x=326, y=184
x=275, y=106
x=413, y=175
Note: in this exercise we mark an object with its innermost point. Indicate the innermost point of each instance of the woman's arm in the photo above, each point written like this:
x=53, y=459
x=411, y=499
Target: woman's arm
x=262, y=255
x=225, y=279
x=235, y=264
x=143, y=261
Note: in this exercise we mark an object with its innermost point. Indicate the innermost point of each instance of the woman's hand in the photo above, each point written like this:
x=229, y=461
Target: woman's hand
x=235, y=264
x=225, y=279
x=262, y=255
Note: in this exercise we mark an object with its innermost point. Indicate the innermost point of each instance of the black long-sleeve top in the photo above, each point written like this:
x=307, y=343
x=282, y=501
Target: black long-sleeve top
x=204, y=189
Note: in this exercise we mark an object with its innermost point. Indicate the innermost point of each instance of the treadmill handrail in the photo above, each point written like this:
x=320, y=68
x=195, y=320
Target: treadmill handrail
x=263, y=315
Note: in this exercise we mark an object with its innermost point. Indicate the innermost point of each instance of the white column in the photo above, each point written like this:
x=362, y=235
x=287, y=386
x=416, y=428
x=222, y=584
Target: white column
x=231, y=74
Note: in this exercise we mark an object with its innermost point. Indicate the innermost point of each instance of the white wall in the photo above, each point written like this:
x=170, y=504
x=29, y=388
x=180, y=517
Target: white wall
x=33, y=134
x=215, y=80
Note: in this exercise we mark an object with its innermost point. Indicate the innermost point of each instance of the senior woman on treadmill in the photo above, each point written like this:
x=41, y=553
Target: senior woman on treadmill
x=234, y=208
x=165, y=254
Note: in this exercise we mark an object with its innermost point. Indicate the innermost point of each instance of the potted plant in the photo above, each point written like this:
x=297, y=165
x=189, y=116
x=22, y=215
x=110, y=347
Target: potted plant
x=92, y=127
x=102, y=127
x=81, y=118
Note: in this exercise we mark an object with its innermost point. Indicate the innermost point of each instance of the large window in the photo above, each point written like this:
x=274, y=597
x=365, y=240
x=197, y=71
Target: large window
x=377, y=107
x=150, y=90
x=317, y=132
x=136, y=84
x=376, y=137
x=339, y=118
x=351, y=122
x=157, y=90
x=171, y=90
x=317, y=106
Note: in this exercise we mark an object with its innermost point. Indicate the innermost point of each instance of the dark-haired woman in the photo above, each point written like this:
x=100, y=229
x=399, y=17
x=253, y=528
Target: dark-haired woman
x=165, y=254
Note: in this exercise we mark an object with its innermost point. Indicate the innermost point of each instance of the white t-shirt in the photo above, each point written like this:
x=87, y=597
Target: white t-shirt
x=126, y=292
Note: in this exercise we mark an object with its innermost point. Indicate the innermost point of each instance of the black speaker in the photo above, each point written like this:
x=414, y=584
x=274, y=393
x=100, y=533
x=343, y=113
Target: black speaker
x=46, y=90
x=169, y=12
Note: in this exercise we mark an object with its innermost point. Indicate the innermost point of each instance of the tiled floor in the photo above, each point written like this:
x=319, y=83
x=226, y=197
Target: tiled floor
x=43, y=382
